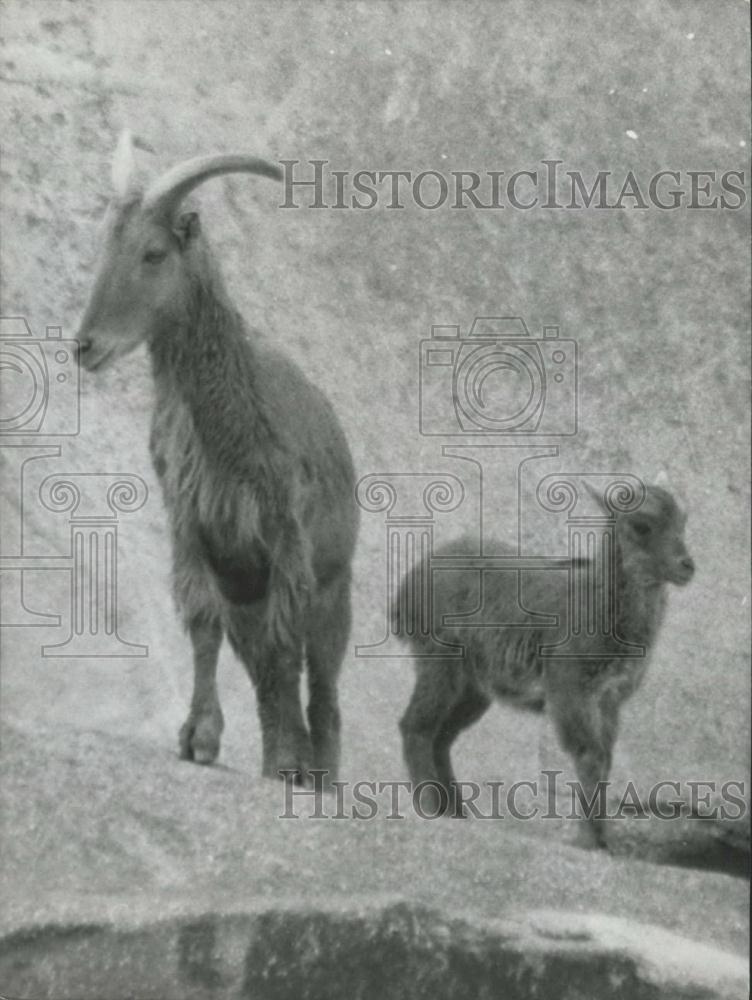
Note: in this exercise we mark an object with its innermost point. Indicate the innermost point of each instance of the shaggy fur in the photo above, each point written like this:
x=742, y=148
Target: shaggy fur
x=583, y=695
x=257, y=480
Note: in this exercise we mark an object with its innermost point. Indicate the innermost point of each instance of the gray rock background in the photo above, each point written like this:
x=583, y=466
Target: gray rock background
x=658, y=302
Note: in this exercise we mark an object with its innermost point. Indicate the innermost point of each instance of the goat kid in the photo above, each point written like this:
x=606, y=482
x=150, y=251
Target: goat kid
x=254, y=466
x=582, y=695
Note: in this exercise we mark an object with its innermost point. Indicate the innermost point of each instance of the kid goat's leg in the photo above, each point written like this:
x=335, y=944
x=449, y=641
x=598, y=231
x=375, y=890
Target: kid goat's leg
x=472, y=705
x=588, y=734
x=437, y=689
x=201, y=732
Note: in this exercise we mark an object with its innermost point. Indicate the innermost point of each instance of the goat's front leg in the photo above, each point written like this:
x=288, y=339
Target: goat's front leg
x=588, y=734
x=201, y=731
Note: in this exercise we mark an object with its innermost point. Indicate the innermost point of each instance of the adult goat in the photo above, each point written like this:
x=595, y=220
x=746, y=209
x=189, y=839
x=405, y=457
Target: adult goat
x=254, y=467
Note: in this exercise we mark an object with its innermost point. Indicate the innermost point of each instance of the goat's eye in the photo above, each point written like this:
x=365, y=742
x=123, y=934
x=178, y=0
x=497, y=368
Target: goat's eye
x=641, y=528
x=154, y=256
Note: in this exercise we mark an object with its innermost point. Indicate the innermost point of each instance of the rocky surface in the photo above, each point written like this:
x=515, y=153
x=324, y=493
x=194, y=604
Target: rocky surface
x=130, y=873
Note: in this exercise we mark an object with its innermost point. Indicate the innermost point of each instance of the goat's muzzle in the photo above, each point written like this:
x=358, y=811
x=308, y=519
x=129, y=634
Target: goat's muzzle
x=88, y=356
x=684, y=571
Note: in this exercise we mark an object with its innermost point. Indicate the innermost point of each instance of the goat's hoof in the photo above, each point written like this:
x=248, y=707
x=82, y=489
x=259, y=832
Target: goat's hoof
x=592, y=839
x=293, y=771
x=199, y=738
x=295, y=776
x=327, y=780
x=430, y=800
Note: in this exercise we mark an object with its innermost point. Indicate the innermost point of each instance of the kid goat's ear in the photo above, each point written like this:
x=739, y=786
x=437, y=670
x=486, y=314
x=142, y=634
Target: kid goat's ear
x=187, y=228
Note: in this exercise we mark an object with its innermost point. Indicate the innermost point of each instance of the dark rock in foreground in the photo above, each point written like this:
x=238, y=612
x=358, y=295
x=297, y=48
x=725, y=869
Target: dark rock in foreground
x=159, y=879
x=394, y=951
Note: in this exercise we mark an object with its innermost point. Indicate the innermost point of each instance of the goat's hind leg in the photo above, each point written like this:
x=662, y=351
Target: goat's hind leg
x=201, y=731
x=472, y=705
x=274, y=669
x=327, y=632
x=281, y=713
x=437, y=689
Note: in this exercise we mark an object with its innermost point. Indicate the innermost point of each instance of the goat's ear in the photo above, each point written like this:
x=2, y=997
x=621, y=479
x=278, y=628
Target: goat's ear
x=186, y=228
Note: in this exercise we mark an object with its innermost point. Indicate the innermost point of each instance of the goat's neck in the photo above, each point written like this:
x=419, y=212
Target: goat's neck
x=640, y=602
x=205, y=340
x=204, y=362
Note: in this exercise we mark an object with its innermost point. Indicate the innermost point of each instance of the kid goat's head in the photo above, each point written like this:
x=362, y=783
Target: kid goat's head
x=140, y=284
x=651, y=538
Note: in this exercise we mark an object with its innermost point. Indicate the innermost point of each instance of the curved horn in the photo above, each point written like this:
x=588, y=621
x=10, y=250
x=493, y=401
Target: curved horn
x=166, y=193
x=124, y=165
